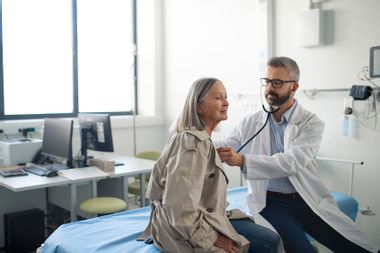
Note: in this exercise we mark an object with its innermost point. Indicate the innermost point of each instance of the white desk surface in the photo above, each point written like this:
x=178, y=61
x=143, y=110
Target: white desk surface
x=83, y=174
x=132, y=165
x=31, y=181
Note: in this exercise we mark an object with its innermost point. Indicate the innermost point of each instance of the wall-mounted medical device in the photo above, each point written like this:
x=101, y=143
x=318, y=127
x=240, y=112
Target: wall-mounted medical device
x=360, y=92
x=374, y=62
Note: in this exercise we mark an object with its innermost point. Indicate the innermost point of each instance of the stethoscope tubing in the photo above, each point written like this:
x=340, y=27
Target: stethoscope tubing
x=261, y=129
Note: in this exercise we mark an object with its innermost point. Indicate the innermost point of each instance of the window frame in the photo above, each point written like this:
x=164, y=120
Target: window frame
x=134, y=81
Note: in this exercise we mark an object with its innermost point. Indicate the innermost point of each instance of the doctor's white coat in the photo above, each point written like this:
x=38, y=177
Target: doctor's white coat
x=302, y=138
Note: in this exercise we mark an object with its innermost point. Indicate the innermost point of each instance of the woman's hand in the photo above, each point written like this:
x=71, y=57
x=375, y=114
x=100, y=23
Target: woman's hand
x=226, y=243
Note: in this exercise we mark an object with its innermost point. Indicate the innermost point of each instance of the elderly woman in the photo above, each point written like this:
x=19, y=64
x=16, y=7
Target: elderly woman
x=188, y=185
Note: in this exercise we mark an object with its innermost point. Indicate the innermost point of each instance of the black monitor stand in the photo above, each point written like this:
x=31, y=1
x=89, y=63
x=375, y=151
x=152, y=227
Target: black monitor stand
x=83, y=161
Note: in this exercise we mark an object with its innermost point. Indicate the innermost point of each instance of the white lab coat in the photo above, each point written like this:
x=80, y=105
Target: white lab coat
x=302, y=138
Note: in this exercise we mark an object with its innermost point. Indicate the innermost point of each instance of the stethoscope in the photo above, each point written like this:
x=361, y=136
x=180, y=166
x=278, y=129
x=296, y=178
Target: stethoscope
x=269, y=112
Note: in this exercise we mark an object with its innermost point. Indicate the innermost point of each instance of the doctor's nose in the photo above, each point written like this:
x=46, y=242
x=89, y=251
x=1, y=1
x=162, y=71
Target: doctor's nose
x=269, y=87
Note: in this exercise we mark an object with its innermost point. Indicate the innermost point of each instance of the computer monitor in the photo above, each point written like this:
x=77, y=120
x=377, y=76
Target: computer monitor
x=96, y=133
x=57, y=140
x=374, y=62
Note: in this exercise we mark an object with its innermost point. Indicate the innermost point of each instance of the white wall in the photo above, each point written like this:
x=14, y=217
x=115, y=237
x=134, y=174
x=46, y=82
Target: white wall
x=355, y=30
x=209, y=38
x=219, y=38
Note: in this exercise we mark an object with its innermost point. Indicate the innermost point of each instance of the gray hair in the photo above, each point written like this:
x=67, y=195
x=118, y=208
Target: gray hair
x=287, y=63
x=189, y=117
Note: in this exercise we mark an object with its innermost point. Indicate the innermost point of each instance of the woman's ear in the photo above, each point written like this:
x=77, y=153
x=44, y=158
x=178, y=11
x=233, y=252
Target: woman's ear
x=199, y=109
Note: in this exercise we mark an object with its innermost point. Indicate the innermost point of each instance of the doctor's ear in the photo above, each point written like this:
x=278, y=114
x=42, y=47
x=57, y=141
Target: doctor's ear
x=295, y=87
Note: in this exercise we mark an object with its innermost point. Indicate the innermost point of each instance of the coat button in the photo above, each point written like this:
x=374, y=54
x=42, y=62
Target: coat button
x=209, y=209
x=211, y=175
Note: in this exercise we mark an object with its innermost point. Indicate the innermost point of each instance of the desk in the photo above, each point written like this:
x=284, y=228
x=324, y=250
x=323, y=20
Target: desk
x=71, y=177
x=31, y=182
x=81, y=175
x=133, y=166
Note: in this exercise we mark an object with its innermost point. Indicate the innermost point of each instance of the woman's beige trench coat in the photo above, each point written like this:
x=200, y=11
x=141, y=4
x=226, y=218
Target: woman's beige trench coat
x=188, y=185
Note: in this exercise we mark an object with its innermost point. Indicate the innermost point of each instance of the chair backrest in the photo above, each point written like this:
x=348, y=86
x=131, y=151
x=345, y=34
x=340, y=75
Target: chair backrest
x=150, y=155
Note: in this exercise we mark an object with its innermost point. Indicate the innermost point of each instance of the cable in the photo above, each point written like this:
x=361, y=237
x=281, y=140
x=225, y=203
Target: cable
x=269, y=112
x=368, y=116
x=261, y=129
x=365, y=76
x=369, y=120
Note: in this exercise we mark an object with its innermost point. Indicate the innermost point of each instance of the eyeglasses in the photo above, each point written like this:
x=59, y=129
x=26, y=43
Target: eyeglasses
x=276, y=83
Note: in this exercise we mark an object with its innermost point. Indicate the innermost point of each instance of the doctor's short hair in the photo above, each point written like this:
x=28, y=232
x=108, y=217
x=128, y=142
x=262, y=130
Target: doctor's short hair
x=287, y=63
x=188, y=117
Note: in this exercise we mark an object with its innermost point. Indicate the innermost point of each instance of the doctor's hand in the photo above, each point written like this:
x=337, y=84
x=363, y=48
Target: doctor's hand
x=225, y=243
x=229, y=156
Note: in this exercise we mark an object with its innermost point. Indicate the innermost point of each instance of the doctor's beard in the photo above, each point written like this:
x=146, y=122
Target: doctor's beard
x=278, y=101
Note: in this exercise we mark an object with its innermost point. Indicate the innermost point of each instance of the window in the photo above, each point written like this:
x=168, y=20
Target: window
x=37, y=58
x=104, y=55
x=62, y=57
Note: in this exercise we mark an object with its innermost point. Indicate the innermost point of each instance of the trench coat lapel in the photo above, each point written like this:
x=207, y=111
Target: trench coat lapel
x=219, y=165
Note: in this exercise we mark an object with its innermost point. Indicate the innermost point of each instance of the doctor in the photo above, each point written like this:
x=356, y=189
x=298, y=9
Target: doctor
x=279, y=165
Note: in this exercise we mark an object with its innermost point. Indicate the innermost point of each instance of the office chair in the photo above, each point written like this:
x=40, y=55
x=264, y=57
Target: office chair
x=134, y=187
x=103, y=205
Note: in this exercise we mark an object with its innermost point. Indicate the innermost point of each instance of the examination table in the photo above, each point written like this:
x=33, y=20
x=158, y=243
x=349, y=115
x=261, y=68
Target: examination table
x=118, y=232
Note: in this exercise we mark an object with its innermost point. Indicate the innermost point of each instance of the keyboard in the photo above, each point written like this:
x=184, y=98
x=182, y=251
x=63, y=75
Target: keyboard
x=13, y=173
x=40, y=171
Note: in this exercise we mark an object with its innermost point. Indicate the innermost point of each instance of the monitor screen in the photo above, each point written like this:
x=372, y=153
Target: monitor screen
x=96, y=132
x=374, y=62
x=57, y=139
